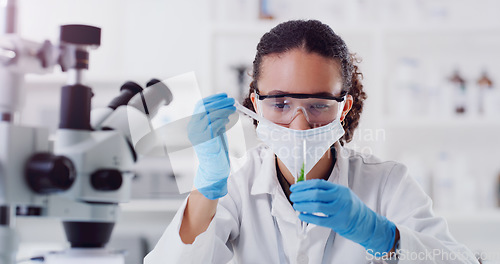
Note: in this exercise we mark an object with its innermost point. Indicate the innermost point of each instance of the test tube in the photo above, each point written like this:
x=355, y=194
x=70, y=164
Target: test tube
x=304, y=224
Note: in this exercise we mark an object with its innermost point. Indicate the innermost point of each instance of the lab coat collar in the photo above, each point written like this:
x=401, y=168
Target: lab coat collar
x=266, y=180
x=340, y=172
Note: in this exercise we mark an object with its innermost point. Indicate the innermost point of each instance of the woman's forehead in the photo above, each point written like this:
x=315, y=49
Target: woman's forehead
x=299, y=71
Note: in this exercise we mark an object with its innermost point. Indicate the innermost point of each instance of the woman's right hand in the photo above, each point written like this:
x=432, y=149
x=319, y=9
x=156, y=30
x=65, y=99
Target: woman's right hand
x=206, y=131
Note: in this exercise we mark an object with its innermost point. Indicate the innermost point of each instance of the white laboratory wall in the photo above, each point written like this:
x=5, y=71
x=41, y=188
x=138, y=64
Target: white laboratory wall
x=140, y=39
x=406, y=118
x=455, y=157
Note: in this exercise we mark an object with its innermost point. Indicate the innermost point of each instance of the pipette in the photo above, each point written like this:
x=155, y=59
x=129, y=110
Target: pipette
x=250, y=113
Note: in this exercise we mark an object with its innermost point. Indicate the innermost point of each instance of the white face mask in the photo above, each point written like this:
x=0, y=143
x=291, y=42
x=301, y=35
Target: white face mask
x=297, y=148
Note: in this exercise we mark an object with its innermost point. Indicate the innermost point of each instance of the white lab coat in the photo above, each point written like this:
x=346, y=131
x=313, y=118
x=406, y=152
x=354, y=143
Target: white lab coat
x=255, y=223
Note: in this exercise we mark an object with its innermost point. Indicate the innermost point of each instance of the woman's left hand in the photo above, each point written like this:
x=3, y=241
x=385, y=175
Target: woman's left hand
x=335, y=206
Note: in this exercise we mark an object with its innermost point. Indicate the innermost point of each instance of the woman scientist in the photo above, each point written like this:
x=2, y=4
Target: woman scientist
x=306, y=92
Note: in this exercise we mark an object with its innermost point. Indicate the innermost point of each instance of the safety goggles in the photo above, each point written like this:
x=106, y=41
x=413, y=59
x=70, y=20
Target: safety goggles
x=317, y=109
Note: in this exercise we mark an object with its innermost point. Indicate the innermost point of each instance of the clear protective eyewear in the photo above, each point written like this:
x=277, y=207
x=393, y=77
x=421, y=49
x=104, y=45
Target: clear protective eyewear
x=317, y=109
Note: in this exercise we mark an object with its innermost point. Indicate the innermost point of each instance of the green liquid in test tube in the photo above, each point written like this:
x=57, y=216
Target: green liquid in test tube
x=301, y=174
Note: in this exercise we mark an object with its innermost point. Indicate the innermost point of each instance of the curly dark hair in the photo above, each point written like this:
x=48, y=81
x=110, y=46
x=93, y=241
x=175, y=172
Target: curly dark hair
x=315, y=37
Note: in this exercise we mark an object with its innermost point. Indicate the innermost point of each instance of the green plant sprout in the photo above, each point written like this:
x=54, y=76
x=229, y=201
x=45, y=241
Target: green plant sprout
x=301, y=174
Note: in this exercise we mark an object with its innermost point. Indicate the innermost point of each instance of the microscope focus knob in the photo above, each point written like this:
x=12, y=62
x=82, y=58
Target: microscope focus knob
x=47, y=173
x=106, y=180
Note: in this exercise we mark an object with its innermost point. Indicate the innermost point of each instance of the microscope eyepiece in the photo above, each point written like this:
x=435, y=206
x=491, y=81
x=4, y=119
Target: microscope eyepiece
x=80, y=35
x=47, y=173
x=75, y=42
x=127, y=91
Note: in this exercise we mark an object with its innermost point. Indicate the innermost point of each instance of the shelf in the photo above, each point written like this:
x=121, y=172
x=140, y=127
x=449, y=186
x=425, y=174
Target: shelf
x=238, y=28
x=452, y=122
x=150, y=205
x=439, y=28
x=486, y=215
x=62, y=78
x=262, y=26
x=172, y=205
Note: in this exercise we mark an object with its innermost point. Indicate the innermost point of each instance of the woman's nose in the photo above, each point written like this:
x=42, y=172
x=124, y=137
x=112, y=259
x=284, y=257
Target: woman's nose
x=299, y=121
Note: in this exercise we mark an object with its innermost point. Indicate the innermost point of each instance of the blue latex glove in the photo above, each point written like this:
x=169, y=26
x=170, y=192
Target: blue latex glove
x=345, y=213
x=206, y=131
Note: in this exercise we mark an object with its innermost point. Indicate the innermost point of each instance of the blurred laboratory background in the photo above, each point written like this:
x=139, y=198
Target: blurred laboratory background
x=431, y=71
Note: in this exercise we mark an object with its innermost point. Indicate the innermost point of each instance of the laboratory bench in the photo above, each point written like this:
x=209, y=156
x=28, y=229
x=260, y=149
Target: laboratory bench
x=142, y=222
